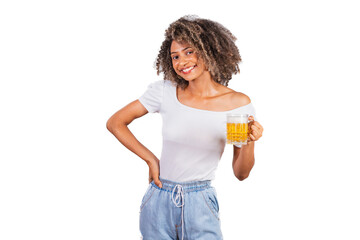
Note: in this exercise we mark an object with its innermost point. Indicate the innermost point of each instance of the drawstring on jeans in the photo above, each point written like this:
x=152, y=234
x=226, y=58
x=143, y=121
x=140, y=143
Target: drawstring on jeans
x=179, y=202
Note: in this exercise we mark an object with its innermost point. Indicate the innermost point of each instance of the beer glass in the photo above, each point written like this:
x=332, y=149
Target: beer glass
x=237, y=126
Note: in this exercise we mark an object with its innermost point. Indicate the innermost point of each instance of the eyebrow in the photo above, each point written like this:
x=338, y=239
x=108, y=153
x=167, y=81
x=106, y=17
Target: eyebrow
x=181, y=50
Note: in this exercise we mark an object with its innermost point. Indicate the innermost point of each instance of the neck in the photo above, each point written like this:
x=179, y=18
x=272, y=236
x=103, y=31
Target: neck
x=203, y=86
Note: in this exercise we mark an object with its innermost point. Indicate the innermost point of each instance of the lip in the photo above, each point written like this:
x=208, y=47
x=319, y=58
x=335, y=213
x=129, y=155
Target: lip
x=181, y=70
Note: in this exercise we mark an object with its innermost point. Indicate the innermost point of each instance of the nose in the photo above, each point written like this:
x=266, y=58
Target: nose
x=183, y=61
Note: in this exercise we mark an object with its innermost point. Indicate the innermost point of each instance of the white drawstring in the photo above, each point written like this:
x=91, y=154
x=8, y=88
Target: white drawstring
x=179, y=202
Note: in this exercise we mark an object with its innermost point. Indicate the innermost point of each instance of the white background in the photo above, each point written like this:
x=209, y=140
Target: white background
x=67, y=66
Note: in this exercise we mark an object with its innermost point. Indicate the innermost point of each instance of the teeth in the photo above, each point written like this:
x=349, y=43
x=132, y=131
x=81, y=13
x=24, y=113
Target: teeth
x=188, y=69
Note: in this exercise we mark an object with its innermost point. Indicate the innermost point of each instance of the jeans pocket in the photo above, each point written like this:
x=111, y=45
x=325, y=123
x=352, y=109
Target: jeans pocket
x=148, y=194
x=211, y=201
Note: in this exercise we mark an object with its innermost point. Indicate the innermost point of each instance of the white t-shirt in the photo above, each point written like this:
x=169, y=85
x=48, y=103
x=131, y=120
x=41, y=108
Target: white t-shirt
x=193, y=139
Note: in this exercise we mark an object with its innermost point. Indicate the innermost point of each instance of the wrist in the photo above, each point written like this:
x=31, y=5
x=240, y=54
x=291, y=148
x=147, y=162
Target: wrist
x=152, y=161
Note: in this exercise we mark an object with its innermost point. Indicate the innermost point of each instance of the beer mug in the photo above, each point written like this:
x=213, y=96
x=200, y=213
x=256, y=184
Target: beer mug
x=238, y=128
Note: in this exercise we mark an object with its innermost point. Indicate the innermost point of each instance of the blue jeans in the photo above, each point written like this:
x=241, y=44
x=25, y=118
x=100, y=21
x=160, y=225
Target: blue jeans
x=180, y=210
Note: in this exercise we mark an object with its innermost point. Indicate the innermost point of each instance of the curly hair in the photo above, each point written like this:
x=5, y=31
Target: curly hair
x=213, y=43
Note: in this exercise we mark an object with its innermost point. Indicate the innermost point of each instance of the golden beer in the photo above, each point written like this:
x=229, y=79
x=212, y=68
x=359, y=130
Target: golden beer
x=237, y=132
x=237, y=128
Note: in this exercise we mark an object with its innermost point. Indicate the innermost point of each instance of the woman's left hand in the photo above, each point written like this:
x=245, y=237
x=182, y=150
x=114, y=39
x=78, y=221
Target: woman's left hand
x=255, y=130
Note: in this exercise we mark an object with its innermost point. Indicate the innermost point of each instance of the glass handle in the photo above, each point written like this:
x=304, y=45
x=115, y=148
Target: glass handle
x=250, y=123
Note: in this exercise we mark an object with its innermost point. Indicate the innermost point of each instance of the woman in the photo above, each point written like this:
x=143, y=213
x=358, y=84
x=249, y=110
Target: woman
x=197, y=58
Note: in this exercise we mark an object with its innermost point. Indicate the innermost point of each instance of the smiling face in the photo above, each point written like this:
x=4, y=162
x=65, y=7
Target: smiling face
x=185, y=61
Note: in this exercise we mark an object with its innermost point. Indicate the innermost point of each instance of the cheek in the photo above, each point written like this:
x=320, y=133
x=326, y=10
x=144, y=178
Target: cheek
x=200, y=64
x=174, y=65
x=198, y=60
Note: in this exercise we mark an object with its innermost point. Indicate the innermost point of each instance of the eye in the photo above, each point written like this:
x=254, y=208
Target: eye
x=175, y=57
x=189, y=52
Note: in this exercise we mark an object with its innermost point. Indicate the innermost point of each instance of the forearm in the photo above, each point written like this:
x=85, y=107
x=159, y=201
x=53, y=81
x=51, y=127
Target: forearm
x=125, y=137
x=243, y=161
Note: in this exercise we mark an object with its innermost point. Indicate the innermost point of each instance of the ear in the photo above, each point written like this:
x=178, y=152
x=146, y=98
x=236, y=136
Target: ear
x=207, y=68
x=206, y=65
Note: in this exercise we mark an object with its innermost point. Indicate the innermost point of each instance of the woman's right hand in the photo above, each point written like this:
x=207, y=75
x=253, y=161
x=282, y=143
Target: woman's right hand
x=154, y=172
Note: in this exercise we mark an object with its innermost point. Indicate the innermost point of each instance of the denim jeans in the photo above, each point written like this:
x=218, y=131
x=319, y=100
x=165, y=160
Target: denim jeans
x=180, y=210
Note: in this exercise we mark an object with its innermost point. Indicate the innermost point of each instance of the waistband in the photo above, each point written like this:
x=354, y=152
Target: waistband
x=190, y=186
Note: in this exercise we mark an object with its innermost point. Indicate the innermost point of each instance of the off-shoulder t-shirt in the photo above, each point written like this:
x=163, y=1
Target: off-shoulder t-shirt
x=193, y=139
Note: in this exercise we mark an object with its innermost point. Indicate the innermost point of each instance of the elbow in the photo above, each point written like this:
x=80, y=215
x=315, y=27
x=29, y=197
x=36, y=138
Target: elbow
x=243, y=173
x=241, y=177
x=113, y=125
x=109, y=125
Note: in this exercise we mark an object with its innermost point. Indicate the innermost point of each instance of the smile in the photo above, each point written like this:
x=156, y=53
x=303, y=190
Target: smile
x=188, y=70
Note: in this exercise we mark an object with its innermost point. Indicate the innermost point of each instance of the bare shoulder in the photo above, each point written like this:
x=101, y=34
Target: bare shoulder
x=238, y=99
